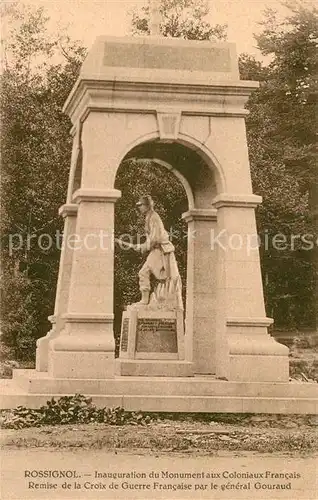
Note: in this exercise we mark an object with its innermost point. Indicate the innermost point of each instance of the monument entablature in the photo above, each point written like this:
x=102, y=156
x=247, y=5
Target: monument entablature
x=147, y=76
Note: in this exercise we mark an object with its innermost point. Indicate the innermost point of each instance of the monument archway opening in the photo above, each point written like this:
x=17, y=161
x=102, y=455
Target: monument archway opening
x=169, y=193
x=200, y=183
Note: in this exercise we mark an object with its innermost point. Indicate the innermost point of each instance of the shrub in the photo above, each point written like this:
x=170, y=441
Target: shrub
x=6, y=368
x=76, y=409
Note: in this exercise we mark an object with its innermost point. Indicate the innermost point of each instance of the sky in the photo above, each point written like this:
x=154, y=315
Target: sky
x=86, y=19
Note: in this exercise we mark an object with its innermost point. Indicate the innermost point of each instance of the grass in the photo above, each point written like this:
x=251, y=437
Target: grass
x=264, y=434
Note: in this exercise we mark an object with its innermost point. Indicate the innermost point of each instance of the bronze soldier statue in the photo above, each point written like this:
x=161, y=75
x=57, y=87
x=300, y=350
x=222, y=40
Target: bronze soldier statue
x=160, y=261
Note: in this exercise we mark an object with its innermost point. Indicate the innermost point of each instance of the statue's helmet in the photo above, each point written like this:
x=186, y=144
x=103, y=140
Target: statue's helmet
x=145, y=200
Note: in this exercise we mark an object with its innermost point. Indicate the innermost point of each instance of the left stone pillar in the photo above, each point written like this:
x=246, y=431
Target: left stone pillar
x=68, y=212
x=85, y=348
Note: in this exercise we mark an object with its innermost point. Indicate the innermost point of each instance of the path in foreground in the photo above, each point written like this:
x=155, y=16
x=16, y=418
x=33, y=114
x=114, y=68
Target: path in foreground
x=221, y=476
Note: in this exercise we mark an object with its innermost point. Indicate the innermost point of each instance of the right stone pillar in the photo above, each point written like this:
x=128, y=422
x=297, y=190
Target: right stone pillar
x=244, y=349
x=200, y=328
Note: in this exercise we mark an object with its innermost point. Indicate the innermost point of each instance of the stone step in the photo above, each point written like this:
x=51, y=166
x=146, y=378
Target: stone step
x=13, y=395
x=34, y=382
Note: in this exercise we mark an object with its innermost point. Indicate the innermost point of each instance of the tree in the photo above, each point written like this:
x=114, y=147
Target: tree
x=180, y=19
x=35, y=151
x=293, y=101
x=282, y=147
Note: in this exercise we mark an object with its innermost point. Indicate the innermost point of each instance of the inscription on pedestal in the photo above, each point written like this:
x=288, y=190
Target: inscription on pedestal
x=157, y=335
x=124, y=335
x=158, y=57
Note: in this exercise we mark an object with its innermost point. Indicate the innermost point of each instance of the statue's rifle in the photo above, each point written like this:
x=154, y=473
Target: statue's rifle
x=125, y=243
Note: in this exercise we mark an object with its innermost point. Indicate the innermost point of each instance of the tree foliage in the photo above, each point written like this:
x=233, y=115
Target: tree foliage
x=292, y=89
x=35, y=152
x=180, y=19
x=282, y=146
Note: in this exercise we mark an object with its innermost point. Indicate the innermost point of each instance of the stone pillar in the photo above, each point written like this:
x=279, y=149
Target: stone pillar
x=245, y=351
x=86, y=347
x=68, y=212
x=201, y=291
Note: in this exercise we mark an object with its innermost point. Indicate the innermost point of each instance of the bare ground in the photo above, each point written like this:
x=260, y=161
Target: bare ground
x=260, y=433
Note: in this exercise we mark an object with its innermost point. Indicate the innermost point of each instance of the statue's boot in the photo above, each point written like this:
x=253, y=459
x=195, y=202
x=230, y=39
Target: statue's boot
x=144, y=298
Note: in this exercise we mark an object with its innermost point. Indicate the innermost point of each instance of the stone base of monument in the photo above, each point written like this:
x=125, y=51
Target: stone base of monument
x=144, y=368
x=152, y=343
x=32, y=389
x=152, y=374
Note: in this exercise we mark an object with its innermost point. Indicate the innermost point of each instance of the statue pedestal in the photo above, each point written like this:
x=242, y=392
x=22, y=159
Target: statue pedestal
x=152, y=343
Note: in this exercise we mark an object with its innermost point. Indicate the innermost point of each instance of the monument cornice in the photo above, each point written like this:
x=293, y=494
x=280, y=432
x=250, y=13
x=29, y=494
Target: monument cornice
x=216, y=98
x=202, y=214
x=107, y=195
x=68, y=210
x=249, y=322
x=237, y=200
x=88, y=318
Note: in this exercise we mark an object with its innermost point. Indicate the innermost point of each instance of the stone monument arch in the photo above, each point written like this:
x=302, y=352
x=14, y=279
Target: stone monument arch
x=167, y=100
x=176, y=98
